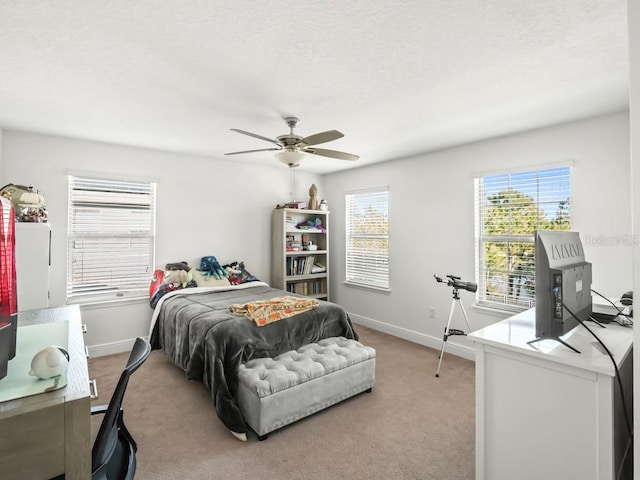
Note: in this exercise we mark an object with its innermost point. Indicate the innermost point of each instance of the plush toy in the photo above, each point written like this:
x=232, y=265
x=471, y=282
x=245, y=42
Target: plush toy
x=175, y=277
x=210, y=266
x=234, y=273
x=178, y=266
x=238, y=273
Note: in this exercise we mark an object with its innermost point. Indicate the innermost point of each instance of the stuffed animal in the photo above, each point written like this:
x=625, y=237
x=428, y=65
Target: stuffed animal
x=175, y=277
x=238, y=273
x=178, y=266
x=234, y=273
x=210, y=266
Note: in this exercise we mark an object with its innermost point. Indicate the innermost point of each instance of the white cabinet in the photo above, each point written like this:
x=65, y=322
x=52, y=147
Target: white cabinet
x=298, y=267
x=33, y=260
x=546, y=412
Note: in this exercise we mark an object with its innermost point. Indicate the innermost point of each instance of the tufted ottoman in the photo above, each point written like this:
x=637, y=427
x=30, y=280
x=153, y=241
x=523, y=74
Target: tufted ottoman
x=274, y=392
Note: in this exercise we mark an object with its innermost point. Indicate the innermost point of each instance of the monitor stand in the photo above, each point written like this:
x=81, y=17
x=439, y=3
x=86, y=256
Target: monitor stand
x=557, y=339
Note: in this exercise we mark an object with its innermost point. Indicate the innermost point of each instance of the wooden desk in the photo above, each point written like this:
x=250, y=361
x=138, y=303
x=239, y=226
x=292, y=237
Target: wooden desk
x=44, y=435
x=544, y=411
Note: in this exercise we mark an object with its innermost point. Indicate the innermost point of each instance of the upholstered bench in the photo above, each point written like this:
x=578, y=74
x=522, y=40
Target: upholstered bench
x=274, y=392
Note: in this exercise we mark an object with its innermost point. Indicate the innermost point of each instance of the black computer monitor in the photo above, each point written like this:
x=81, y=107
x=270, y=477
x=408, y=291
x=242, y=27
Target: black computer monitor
x=563, y=283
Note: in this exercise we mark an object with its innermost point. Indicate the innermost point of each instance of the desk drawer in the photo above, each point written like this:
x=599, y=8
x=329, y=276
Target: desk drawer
x=32, y=444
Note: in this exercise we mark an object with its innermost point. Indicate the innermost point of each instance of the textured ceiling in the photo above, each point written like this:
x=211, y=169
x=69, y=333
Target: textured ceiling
x=397, y=77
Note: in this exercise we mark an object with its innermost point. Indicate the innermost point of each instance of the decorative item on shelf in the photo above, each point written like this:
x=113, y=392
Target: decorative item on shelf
x=323, y=206
x=298, y=205
x=311, y=246
x=313, y=197
x=28, y=203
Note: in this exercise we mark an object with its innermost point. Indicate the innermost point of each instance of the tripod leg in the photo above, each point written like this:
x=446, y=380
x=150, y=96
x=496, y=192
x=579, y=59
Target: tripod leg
x=464, y=312
x=444, y=338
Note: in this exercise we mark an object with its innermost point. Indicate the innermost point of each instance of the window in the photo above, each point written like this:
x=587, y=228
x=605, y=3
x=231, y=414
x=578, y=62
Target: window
x=367, y=238
x=509, y=209
x=111, y=239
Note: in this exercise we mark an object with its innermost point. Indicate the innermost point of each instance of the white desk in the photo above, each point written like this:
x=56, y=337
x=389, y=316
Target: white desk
x=544, y=411
x=44, y=435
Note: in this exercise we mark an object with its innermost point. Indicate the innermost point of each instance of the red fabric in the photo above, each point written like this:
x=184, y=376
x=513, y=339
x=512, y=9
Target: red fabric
x=8, y=290
x=156, y=281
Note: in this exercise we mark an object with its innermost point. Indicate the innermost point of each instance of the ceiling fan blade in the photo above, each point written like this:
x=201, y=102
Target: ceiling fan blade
x=331, y=153
x=322, y=137
x=255, y=135
x=251, y=151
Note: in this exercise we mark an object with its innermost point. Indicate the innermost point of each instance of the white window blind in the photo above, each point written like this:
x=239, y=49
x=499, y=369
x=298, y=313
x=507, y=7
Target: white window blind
x=367, y=238
x=111, y=239
x=509, y=209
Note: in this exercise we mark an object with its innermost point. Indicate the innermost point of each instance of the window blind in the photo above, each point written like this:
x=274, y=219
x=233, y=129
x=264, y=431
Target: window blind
x=367, y=238
x=509, y=209
x=111, y=238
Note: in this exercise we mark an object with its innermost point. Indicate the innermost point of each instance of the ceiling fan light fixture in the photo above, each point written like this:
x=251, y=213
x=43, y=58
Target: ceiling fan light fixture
x=291, y=158
x=293, y=148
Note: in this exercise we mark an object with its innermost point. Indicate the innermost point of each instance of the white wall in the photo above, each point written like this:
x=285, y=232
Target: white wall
x=219, y=207
x=634, y=105
x=2, y=182
x=432, y=222
x=204, y=207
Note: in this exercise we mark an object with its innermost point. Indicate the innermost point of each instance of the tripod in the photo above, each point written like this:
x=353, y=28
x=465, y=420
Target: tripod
x=448, y=332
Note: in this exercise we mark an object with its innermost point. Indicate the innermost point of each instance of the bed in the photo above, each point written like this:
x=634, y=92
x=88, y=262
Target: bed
x=198, y=332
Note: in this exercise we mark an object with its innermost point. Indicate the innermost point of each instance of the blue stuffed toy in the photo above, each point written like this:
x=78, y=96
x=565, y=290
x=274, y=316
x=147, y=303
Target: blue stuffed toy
x=210, y=266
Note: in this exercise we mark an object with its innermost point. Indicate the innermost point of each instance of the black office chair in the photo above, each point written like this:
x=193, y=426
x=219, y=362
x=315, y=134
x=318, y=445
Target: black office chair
x=113, y=456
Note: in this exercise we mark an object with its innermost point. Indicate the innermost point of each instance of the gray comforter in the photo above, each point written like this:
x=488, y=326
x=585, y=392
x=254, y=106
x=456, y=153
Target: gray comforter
x=201, y=336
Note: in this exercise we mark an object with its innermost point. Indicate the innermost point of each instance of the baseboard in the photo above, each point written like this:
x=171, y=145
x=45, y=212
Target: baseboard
x=104, y=349
x=413, y=336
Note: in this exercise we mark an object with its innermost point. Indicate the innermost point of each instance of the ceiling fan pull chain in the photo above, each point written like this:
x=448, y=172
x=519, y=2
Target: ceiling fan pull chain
x=292, y=184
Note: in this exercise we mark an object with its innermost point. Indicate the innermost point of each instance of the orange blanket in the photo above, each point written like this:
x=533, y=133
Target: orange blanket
x=266, y=311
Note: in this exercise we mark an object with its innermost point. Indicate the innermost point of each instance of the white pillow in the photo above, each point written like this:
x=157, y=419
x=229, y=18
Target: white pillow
x=212, y=281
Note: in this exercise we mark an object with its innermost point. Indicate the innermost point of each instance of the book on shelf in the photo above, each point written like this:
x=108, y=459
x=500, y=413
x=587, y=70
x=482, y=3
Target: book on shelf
x=318, y=268
x=296, y=205
x=292, y=244
x=303, y=265
x=313, y=287
x=290, y=223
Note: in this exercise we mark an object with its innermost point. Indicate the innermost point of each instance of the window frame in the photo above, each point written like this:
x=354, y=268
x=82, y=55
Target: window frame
x=114, y=200
x=354, y=270
x=565, y=174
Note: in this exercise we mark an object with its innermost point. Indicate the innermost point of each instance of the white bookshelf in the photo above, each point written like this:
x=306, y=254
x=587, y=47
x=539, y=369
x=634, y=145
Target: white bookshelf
x=293, y=269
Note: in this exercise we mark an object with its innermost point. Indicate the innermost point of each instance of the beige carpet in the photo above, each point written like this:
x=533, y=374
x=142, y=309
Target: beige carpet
x=411, y=426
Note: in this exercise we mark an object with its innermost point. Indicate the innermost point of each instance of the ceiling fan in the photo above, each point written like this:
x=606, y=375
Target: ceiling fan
x=291, y=148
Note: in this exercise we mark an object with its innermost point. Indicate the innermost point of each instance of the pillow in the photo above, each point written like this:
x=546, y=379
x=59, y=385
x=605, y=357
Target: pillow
x=202, y=281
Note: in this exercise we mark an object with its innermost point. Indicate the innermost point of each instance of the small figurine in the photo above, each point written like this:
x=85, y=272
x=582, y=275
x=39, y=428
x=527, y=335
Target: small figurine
x=313, y=197
x=49, y=362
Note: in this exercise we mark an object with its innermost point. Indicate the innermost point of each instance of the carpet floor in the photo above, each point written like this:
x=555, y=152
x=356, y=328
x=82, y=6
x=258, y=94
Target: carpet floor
x=411, y=426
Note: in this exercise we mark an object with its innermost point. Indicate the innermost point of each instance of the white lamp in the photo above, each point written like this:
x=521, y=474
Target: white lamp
x=291, y=158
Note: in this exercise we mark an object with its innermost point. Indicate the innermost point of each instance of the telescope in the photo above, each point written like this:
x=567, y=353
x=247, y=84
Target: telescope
x=456, y=283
